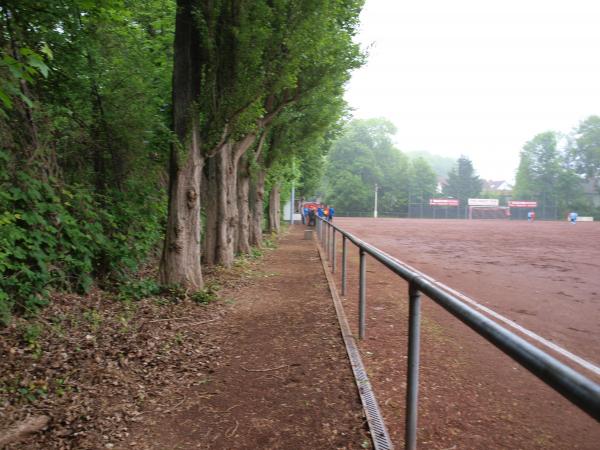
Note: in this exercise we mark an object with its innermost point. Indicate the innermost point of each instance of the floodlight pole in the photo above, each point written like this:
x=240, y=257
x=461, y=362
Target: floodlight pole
x=375, y=209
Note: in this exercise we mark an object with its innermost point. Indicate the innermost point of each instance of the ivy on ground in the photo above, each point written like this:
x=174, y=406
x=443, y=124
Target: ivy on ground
x=60, y=237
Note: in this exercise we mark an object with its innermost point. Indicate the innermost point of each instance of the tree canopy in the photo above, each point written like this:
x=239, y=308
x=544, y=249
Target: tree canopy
x=364, y=158
x=585, y=151
x=548, y=173
x=462, y=183
x=125, y=124
x=441, y=165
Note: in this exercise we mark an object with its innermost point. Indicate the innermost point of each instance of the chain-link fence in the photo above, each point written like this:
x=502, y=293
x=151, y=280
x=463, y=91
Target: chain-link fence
x=544, y=211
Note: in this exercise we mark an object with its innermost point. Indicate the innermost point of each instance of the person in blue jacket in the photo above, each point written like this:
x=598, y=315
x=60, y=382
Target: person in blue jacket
x=320, y=211
x=331, y=213
x=573, y=217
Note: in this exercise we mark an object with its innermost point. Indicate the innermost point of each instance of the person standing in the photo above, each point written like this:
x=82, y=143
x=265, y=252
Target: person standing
x=320, y=211
x=326, y=212
x=311, y=217
x=331, y=213
x=304, y=215
x=573, y=217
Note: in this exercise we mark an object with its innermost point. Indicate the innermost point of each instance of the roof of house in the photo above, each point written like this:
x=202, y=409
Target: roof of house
x=500, y=185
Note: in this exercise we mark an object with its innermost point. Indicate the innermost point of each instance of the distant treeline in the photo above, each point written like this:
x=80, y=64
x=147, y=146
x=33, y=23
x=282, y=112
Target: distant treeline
x=560, y=172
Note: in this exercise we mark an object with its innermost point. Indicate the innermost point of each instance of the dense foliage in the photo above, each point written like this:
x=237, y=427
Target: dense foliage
x=462, y=183
x=96, y=103
x=239, y=66
x=364, y=159
x=584, y=150
x=84, y=89
x=562, y=172
x=441, y=165
x=422, y=181
x=59, y=237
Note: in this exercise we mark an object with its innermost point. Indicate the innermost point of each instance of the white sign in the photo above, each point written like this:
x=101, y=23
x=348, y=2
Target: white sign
x=522, y=204
x=483, y=202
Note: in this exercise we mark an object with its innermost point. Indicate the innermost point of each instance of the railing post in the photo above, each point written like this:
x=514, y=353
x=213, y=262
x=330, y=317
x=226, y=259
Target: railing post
x=329, y=238
x=321, y=231
x=344, y=254
x=362, y=294
x=412, y=383
x=333, y=261
x=325, y=239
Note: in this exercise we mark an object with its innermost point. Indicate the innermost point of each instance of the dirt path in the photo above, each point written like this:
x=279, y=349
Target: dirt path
x=282, y=377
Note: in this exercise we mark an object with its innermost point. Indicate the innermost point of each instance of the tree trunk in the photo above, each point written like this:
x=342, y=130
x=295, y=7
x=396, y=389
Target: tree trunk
x=257, y=205
x=221, y=209
x=209, y=198
x=227, y=204
x=180, y=262
x=223, y=215
x=243, y=189
x=27, y=132
x=274, y=209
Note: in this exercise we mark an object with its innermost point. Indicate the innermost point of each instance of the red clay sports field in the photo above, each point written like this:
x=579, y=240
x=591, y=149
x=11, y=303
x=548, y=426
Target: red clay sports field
x=543, y=278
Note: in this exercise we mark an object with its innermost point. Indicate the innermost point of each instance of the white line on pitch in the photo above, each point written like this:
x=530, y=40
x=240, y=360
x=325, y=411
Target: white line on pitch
x=567, y=354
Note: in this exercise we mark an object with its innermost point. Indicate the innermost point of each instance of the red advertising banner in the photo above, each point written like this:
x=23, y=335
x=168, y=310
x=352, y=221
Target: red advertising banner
x=522, y=204
x=443, y=202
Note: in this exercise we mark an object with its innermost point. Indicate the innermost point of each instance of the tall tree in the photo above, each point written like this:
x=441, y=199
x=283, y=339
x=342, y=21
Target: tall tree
x=441, y=165
x=585, y=152
x=539, y=169
x=423, y=180
x=83, y=144
x=463, y=183
x=257, y=58
x=364, y=156
x=546, y=173
x=180, y=263
x=298, y=141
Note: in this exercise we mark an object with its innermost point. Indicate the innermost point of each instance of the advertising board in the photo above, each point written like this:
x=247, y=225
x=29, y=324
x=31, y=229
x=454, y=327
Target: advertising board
x=443, y=202
x=483, y=202
x=522, y=204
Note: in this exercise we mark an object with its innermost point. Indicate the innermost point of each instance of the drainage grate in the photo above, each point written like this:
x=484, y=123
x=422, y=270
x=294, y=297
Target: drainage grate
x=379, y=433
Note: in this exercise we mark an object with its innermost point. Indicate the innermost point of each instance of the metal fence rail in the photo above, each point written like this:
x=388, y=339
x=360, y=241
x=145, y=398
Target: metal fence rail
x=580, y=390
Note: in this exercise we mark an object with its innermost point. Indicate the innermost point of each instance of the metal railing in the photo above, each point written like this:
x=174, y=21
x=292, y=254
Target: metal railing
x=581, y=391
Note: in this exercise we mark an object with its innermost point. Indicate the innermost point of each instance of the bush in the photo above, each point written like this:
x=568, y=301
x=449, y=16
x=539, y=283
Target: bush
x=60, y=237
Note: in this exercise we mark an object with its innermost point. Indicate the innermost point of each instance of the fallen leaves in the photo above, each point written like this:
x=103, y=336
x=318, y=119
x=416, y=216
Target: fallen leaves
x=93, y=370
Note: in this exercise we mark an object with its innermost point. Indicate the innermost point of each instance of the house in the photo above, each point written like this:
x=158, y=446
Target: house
x=498, y=188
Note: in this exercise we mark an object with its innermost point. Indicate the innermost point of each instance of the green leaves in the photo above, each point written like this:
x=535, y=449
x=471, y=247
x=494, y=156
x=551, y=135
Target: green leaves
x=363, y=157
x=586, y=149
x=24, y=67
x=62, y=238
x=463, y=183
x=554, y=169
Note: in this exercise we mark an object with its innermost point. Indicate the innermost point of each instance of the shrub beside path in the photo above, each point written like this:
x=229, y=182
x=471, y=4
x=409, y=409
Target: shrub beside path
x=281, y=378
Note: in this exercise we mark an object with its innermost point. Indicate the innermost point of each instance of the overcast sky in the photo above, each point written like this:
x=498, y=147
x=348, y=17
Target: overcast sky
x=478, y=77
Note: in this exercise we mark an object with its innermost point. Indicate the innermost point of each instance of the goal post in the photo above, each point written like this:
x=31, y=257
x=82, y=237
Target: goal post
x=489, y=212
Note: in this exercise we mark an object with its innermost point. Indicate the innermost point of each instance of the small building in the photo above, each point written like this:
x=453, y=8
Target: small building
x=498, y=188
